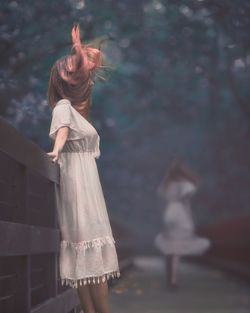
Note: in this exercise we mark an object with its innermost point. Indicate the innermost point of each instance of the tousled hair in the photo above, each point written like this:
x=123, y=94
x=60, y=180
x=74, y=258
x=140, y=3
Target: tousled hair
x=71, y=76
x=177, y=172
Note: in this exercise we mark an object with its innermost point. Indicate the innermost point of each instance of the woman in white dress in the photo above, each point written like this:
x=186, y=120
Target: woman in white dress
x=88, y=255
x=178, y=237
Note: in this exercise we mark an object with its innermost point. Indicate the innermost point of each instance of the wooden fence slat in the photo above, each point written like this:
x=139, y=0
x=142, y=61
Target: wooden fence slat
x=19, y=239
x=14, y=144
x=63, y=303
x=29, y=230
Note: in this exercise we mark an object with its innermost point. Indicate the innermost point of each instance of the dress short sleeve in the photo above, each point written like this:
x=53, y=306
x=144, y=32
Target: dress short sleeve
x=61, y=116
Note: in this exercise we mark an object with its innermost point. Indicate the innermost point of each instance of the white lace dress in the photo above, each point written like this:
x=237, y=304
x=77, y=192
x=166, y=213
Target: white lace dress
x=179, y=237
x=87, y=250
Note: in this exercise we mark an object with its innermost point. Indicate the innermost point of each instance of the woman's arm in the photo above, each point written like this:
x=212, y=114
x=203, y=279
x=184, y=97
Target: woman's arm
x=61, y=137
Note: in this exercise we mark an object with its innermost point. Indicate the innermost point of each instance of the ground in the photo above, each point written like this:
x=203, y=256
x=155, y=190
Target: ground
x=201, y=290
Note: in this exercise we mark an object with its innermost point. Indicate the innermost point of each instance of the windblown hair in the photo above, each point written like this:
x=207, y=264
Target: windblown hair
x=177, y=171
x=71, y=76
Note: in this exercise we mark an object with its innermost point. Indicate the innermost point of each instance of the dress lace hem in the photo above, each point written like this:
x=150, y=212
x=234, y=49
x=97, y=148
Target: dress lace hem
x=83, y=245
x=75, y=283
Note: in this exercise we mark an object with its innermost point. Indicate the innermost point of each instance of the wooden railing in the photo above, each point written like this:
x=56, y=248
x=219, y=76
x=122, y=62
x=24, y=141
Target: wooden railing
x=29, y=234
x=230, y=248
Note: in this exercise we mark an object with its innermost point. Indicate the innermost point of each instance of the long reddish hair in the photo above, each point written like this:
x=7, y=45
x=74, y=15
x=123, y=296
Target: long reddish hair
x=71, y=75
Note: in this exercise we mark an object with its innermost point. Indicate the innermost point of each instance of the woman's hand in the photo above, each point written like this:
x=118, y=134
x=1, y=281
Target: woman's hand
x=54, y=155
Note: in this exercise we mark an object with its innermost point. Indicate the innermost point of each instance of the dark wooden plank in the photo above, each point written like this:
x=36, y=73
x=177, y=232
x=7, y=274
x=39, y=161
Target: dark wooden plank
x=18, y=239
x=42, y=278
x=40, y=200
x=27, y=283
x=63, y=303
x=53, y=278
x=13, y=284
x=8, y=279
x=11, y=188
x=24, y=151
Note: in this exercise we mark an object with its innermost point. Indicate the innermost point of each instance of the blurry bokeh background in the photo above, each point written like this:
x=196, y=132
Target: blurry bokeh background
x=179, y=88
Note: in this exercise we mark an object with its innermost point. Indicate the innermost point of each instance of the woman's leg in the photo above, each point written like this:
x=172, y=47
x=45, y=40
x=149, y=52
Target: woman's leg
x=172, y=264
x=86, y=301
x=169, y=268
x=175, y=262
x=99, y=293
